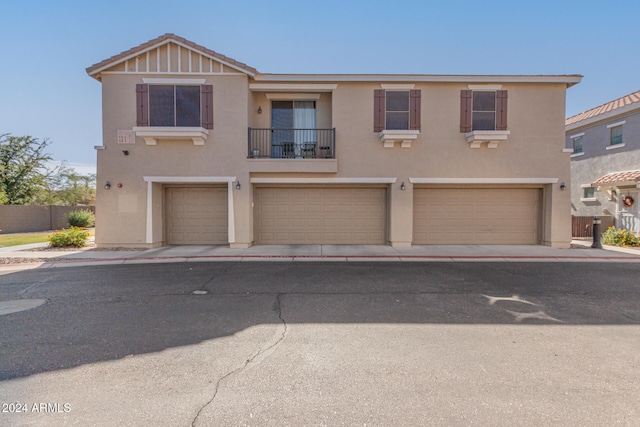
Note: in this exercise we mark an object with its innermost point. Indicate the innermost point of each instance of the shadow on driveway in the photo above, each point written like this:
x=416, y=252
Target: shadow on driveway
x=109, y=312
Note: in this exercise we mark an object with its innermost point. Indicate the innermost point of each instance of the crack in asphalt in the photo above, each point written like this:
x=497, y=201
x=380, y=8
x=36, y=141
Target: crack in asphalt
x=27, y=289
x=277, y=307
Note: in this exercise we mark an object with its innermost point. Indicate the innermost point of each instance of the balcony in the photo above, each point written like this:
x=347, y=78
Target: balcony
x=274, y=143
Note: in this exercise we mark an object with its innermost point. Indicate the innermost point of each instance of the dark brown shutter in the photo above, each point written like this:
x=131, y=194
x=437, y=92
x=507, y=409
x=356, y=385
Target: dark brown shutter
x=466, y=99
x=142, y=104
x=378, y=110
x=206, y=92
x=414, y=112
x=501, y=110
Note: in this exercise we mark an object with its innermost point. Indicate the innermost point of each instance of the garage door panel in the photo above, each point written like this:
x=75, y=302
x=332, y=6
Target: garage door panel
x=330, y=215
x=476, y=216
x=197, y=215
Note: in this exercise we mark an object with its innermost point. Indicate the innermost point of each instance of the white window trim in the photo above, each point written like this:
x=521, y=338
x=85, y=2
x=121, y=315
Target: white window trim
x=151, y=134
x=485, y=88
x=577, y=135
x=172, y=81
x=581, y=153
x=613, y=147
x=390, y=136
x=588, y=199
x=292, y=96
x=616, y=124
x=476, y=138
x=397, y=86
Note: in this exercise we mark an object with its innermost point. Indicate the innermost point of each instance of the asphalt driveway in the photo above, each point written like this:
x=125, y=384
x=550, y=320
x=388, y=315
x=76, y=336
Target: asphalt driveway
x=294, y=343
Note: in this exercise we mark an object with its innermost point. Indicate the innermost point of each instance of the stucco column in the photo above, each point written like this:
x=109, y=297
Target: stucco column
x=401, y=214
x=242, y=212
x=557, y=216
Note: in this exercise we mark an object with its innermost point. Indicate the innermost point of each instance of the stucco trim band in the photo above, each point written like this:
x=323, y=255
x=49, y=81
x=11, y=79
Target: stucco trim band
x=483, y=180
x=259, y=180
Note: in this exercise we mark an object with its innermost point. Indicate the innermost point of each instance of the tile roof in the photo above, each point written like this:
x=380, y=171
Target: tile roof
x=626, y=100
x=127, y=53
x=617, y=177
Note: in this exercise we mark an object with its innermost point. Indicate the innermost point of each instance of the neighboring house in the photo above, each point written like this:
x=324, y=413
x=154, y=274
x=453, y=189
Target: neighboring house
x=202, y=149
x=605, y=161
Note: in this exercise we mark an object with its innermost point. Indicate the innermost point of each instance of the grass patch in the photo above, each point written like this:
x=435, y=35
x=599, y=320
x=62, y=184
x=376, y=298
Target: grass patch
x=28, y=238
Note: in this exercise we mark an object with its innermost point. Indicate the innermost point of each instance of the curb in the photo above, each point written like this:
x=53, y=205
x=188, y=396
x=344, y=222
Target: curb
x=320, y=258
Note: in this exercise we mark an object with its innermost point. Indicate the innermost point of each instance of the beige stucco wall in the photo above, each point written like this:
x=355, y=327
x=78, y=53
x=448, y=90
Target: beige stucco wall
x=533, y=150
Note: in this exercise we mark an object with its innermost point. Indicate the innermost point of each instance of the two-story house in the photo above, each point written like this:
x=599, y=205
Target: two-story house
x=605, y=161
x=201, y=149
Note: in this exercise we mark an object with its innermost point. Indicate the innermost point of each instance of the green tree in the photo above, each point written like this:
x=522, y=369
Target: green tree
x=66, y=187
x=22, y=168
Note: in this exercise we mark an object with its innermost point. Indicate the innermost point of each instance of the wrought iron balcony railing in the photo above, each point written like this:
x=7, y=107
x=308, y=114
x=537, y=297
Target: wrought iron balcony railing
x=273, y=143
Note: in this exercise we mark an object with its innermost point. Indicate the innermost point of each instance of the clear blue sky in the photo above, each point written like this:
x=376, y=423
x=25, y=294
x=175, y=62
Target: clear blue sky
x=46, y=45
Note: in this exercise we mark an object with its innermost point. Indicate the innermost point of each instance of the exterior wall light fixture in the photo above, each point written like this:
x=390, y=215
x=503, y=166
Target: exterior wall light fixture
x=562, y=187
x=402, y=187
x=259, y=110
x=107, y=186
x=237, y=185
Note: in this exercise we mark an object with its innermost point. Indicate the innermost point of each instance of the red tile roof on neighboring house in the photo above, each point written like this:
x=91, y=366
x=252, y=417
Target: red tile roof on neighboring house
x=626, y=100
x=618, y=177
x=127, y=53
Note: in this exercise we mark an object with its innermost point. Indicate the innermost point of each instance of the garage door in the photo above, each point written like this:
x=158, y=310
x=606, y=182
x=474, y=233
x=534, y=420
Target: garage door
x=476, y=216
x=320, y=215
x=196, y=215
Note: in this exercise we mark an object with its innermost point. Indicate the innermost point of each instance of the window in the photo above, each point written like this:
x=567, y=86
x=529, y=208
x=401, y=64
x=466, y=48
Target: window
x=167, y=105
x=293, y=129
x=396, y=110
x=577, y=144
x=171, y=105
x=483, y=114
x=616, y=135
x=588, y=193
x=483, y=110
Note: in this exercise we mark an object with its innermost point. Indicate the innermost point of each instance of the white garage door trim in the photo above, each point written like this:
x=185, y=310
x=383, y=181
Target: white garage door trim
x=229, y=180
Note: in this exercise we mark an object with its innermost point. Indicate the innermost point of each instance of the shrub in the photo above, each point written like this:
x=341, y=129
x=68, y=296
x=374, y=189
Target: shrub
x=74, y=236
x=620, y=237
x=81, y=218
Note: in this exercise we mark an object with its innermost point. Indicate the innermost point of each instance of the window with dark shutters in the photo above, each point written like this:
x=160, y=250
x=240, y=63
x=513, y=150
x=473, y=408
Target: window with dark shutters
x=174, y=106
x=501, y=110
x=415, y=110
x=396, y=116
x=379, y=112
x=466, y=98
x=485, y=117
x=207, y=106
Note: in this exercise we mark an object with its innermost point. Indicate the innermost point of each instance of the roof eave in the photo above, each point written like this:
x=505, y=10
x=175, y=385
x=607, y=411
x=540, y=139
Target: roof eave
x=95, y=70
x=569, y=80
x=603, y=117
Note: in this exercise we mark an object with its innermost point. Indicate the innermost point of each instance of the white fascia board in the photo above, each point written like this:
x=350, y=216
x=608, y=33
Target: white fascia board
x=259, y=180
x=430, y=78
x=603, y=117
x=190, y=179
x=483, y=180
